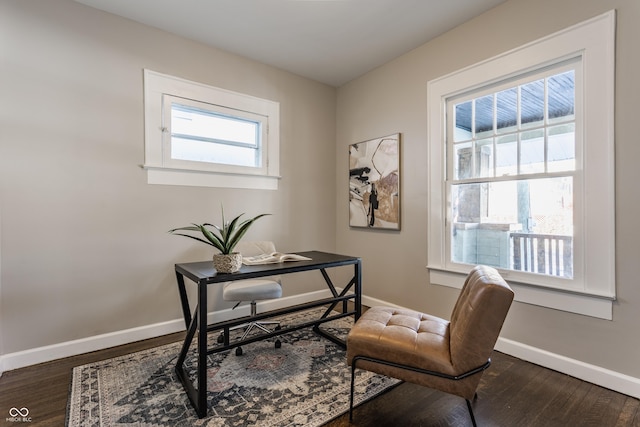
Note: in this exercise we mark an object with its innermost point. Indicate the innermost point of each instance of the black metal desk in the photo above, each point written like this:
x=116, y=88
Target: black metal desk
x=203, y=274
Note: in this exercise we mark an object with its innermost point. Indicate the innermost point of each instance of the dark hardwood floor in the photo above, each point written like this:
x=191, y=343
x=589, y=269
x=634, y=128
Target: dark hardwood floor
x=513, y=393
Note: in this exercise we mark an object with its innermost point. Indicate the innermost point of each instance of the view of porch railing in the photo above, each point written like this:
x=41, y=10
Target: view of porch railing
x=542, y=253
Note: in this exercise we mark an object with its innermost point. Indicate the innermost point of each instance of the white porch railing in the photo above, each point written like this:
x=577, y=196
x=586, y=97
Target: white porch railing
x=542, y=253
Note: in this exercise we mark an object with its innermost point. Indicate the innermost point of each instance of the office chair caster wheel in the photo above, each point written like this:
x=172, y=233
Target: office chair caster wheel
x=278, y=344
x=239, y=351
x=221, y=338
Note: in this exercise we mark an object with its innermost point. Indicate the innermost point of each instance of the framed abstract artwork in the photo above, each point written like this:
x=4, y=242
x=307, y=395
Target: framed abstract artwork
x=374, y=183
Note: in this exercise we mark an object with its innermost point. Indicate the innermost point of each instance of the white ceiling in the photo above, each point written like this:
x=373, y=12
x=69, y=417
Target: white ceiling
x=331, y=41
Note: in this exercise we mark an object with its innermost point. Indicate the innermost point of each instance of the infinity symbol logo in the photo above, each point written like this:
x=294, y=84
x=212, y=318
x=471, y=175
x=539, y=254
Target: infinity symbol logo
x=14, y=412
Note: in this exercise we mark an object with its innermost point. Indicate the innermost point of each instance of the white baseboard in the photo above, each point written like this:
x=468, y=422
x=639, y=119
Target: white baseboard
x=48, y=353
x=594, y=374
x=372, y=302
x=606, y=378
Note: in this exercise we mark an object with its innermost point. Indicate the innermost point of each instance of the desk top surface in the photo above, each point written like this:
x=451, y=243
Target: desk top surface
x=204, y=272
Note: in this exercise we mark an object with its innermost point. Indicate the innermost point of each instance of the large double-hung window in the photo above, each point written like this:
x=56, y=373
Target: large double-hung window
x=510, y=173
x=521, y=157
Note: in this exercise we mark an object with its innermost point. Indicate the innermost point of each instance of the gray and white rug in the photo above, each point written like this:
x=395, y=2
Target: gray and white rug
x=304, y=383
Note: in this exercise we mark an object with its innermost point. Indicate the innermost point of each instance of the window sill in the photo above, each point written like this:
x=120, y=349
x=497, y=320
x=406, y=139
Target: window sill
x=587, y=305
x=169, y=176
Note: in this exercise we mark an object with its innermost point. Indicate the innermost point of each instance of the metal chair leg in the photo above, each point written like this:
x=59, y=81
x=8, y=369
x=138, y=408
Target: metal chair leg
x=467, y=374
x=248, y=327
x=353, y=372
x=473, y=419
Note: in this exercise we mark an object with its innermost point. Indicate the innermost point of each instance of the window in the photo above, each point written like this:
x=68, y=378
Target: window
x=199, y=133
x=206, y=136
x=511, y=171
x=525, y=141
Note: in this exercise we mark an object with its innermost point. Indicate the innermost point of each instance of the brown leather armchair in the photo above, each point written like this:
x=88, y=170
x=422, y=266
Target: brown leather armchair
x=449, y=356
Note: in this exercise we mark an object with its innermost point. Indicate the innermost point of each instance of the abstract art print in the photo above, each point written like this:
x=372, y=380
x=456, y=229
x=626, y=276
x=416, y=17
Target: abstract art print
x=374, y=183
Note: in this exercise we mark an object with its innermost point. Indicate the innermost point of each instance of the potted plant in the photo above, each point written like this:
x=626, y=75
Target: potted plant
x=223, y=238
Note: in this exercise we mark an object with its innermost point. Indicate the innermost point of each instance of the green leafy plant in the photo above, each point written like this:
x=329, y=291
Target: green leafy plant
x=223, y=238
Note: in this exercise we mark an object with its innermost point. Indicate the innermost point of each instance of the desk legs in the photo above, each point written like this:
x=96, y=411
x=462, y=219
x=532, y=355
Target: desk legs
x=198, y=397
x=184, y=300
x=198, y=325
x=201, y=407
x=357, y=275
x=356, y=283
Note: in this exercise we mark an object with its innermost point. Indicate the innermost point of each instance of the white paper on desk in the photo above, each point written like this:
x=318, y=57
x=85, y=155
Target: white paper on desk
x=272, y=258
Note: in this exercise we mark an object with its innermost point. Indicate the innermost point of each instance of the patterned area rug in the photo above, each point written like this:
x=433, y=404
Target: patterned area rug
x=303, y=383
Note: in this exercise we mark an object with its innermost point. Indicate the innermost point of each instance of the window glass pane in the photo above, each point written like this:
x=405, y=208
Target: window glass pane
x=507, y=155
x=484, y=158
x=532, y=151
x=561, y=89
x=532, y=103
x=507, y=110
x=202, y=135
x=469, y=205
x=462, y=128
x=198, y=123
x=552, y=205
x=550, y=239
x=211, y=152
x=483, y=217
x=520, y=225
x=463, y=164
x=468, y=165
x=502, y=203
x=484, y=116
x=561, y=151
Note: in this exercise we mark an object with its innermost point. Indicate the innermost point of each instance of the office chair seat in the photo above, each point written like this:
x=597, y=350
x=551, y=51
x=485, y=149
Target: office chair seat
x=253, y=290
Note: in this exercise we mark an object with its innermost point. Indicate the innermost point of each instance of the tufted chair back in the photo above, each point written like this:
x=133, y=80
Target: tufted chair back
x=477, y=318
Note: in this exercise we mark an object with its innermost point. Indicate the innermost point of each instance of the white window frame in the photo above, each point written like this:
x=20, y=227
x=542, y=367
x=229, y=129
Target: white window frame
x=592, y=290
x=159, y=89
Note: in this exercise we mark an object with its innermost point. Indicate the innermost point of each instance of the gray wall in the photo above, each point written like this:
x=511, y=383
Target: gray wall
x=393, y=98
x=83, y=242
x=85, y=248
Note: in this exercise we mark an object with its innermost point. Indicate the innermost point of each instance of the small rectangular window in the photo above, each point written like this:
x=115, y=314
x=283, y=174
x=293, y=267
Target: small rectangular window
x=206, y=133
x=202, y=135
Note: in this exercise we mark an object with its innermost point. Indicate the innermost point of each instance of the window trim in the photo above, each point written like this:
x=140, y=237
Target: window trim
x=594, y=42
x=161, y=171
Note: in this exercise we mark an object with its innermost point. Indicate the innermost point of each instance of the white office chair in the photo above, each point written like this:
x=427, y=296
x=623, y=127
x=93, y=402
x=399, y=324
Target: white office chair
x=253, y=290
